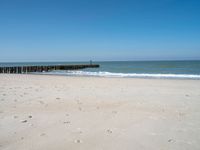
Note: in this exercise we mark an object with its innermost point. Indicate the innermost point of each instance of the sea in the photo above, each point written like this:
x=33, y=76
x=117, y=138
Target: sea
x=128, y=69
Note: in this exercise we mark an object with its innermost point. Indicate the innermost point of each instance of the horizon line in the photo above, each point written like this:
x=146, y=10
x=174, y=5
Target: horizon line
x=39, y=61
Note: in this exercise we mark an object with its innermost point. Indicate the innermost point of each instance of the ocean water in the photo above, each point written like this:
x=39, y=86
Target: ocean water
x=131, y=69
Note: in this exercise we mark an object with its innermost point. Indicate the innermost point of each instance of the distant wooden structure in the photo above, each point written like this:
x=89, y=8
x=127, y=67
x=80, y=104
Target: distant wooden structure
x=29, y=69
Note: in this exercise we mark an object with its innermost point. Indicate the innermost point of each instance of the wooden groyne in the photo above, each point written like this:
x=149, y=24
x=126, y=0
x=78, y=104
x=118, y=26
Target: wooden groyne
x=29, y=69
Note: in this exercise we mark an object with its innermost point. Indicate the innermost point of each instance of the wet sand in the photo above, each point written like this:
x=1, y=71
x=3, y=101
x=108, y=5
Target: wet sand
x=40, y=112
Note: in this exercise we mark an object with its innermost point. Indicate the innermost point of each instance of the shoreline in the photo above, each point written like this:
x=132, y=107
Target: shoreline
x=108, y=77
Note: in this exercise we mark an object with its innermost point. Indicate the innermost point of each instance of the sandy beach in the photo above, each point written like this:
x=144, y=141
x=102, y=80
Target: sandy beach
x=41, y=112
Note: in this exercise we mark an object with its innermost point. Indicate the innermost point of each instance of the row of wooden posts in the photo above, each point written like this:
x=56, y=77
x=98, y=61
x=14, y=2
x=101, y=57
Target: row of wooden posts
x=28, y=69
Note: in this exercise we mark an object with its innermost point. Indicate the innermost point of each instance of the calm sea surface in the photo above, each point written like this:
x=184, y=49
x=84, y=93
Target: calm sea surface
x=154, y=69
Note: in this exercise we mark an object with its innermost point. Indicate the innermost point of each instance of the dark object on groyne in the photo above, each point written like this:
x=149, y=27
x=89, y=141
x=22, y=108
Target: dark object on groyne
x=29, y=69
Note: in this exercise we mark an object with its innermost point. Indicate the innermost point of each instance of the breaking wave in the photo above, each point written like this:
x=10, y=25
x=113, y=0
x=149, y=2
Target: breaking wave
x=125, y=75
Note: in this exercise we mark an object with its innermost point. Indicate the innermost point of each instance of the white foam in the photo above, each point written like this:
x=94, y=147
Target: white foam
x=130, y=75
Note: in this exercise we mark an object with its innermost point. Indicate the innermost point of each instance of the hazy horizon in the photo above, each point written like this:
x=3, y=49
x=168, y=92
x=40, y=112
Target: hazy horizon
x=88, y=61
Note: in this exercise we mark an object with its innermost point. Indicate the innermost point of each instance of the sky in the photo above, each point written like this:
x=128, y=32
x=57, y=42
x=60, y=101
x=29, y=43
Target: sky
x=99, y=30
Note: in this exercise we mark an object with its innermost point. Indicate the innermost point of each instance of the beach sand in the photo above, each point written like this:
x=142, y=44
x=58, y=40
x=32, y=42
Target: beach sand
x=40, y=112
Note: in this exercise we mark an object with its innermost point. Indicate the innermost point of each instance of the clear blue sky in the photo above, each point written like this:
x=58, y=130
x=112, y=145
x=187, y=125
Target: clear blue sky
x=74, y=30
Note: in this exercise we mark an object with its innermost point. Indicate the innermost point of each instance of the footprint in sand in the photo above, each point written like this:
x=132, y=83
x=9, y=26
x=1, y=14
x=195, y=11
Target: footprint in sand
x=171, y=140
x=181, y=114
x=80, y=109
x=15, y=117
x=42, y=134
x=77, y=141
x=67, y=122
x=109, y=131
x=78, y=102
x=41, y=102
x=24, y=121
x=114, y=112
x=79, y=131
